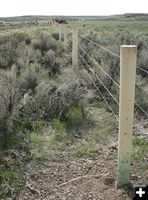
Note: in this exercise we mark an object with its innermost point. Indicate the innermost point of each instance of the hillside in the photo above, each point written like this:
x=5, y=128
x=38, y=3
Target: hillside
x=127, y=16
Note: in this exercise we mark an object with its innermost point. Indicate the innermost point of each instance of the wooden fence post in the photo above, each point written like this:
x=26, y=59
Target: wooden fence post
x=52, y=25
x=128, y=59
x=65, y=36
x=55, y=26
x=75, y=48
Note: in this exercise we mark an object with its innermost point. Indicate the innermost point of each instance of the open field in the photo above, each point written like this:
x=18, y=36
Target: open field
x=138, y=27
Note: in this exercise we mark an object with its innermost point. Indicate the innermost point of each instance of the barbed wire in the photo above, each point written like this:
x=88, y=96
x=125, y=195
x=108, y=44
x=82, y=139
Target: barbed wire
x=100, y=46
x=100, y=80
x=112, y=79
x=104, y=98
x=104, y=85
x=143, y=70
x=116, y=117
x=139, y=68
x=141, y=108
x=100, y=67
x=104, y=48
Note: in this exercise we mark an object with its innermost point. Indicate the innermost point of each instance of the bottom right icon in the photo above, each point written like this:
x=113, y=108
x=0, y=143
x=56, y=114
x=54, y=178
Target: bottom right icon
x=141, y=192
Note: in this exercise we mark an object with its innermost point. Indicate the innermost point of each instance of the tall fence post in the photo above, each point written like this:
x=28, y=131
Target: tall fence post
x=128, y=59
x=75, y=48
x=52, y=25
x=65, y=36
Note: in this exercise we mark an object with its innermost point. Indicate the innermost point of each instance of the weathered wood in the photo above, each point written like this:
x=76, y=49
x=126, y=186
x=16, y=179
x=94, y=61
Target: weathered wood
x=126, y=111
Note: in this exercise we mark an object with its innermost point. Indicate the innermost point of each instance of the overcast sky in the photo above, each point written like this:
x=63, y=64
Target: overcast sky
x=71, y=7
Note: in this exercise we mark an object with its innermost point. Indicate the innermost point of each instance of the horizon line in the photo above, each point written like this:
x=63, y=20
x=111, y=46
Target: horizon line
x=72, y=15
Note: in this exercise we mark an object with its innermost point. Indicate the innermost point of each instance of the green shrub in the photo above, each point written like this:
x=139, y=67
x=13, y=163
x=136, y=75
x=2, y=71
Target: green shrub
x=27, y=55
x=44, y=42
x=58, y=125
x=21, y=124
x=140, y=142
x=74, y=115
x=38, y=126
x=141, y=98
x=60, y=135
x=37, y=139
x=9, y=45
x=143, y=62
x=39, y=155
x=11, y=182
x=46, y=107
x=55, y=36
x=85, y=150
x=22, y=37
x=51, y=63
x=29, y=81
x=9, y=98
x=140, y=152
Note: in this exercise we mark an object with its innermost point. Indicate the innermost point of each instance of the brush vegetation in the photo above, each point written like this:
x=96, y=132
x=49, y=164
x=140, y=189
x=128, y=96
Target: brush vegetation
x=45, y=105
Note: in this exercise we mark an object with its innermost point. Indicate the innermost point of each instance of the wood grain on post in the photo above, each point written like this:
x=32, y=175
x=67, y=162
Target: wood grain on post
x=128, y=59
x=75, y=48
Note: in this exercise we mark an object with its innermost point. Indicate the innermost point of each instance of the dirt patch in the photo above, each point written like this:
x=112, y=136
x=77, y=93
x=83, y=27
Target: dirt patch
x=63, y=176
x=71, y=178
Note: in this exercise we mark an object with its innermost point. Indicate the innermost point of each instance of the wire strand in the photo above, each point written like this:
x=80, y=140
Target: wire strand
x=116, y=117
x=112, y=79
x=100, y=46
x=105, y=98
x=143, y=70
x=100, y=80
x=100, y=68
x=107, y=73
x=141, y=108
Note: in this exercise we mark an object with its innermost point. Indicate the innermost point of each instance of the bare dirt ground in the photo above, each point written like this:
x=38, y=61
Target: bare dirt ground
x=65, y=177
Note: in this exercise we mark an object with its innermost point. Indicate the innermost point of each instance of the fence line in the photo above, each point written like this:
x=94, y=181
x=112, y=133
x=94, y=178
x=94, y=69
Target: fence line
x=142, y=110
x=112, y=79
x=116, y=117
x=104, y=48
x=100, y=67
x=127, y=99
x=100, y=81
x=100, y=46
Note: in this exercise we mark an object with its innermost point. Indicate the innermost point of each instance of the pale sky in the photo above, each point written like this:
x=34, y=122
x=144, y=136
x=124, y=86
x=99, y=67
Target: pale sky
x=71, y=7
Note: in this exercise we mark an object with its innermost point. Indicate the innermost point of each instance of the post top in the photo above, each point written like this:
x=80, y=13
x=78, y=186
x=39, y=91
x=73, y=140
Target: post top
x=129, y=46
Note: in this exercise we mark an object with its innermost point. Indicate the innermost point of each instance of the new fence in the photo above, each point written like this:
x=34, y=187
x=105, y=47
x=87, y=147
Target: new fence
x=127, y=59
